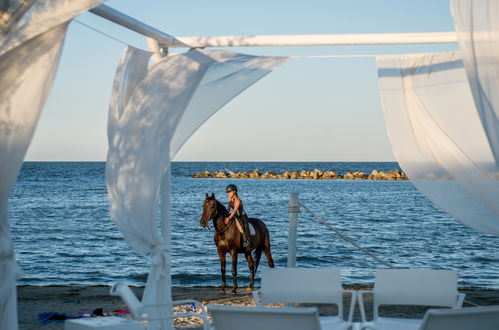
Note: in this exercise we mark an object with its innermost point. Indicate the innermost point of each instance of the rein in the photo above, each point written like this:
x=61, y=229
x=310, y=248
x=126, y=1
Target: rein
x=226, y=227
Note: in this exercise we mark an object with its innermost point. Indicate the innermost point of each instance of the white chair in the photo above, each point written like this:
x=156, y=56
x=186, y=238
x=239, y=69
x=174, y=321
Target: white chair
x=472, y=318
x=306, y=286
x=410, y=287
x=140, y=312
x=263, y=318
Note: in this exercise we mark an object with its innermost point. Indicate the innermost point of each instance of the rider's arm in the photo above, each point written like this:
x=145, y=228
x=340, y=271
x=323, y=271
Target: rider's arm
x=237, y=202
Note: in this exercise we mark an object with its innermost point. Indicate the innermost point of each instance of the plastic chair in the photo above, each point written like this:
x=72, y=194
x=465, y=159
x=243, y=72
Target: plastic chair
x=139, y=311
x=410, y=287
x=263, y=318
x=307, y=286
x=472, y=318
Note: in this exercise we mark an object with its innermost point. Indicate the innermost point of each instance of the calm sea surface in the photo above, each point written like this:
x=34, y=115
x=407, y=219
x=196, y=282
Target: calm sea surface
x=62, y=232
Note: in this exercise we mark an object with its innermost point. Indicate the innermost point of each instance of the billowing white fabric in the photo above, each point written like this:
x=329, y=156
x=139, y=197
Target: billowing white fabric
x=29, y=55
x=437, y=136
x=477, y=28
x=152, y=112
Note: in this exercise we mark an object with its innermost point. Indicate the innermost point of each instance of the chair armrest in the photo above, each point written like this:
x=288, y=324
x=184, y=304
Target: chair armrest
x=360, y=297
x=257, y=297
x=353, y=301
x=460, y=300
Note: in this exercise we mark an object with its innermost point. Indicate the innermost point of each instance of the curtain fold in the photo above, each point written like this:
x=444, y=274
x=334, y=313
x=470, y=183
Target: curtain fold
x=477, y=28
x=437, y=135
x=29, y=55
x=153, y=110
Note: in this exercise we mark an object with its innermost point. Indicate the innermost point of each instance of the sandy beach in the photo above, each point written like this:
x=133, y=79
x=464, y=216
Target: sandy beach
x=74, y=300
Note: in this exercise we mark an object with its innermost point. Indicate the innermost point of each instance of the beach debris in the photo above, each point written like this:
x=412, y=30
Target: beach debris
x=98, y=312
x=54, y=317
x=316, y=174
x=51, y=317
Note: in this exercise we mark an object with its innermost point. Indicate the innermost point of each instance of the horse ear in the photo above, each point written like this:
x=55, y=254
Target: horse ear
x=212, y=196
x=206, y=195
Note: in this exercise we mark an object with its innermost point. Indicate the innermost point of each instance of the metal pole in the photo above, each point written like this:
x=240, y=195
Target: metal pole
x=133, y=24
x=293, y=210
x=165, y=193
x=168, y=41
x=319, y=39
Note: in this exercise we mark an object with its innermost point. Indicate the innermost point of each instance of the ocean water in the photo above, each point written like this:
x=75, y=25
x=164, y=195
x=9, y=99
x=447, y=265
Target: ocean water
x=62, y=232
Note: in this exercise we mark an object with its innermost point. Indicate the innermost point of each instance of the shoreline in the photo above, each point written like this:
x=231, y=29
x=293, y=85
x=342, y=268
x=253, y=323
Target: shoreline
x=74, y=300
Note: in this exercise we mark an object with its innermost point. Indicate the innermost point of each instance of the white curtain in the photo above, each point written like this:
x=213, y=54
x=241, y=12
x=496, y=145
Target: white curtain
x=153, y=111
x=29, y=55
x=438, y=137
x=477, y=28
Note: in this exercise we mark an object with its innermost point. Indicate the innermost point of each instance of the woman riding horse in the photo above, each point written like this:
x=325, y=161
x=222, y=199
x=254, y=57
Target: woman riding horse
x=228, y=238
x=236, y=204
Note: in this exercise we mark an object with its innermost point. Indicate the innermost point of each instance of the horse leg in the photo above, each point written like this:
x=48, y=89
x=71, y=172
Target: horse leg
x=221, y=255
x=233, y=254
x=258, y=255
x=251, y=265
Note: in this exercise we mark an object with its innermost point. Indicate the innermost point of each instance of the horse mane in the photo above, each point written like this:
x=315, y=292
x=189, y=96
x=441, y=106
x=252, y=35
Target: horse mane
x=222, y=208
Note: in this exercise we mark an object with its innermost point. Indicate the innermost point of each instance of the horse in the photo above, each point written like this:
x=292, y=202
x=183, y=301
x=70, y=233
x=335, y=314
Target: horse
x=228, y=238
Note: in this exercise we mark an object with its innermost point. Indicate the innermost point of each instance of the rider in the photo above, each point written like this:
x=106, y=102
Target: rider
x=236, y=204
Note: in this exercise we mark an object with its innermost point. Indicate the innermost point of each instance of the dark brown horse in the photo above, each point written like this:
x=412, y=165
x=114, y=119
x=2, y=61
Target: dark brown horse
x=228, y=238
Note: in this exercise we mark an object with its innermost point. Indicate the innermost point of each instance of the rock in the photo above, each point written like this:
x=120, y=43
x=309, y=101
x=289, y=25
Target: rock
x=359, y=175
x=266, y=175
x=348, y=176
x=315, y=174
x=255, y=174
x=329, y=175
x=220, y=174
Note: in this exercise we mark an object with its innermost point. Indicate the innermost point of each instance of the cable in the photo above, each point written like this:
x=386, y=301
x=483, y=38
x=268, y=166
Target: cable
x=346, y=238
x=103, y=33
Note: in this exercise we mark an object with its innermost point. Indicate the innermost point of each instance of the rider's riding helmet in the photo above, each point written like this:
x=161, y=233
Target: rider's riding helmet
x=231, y=187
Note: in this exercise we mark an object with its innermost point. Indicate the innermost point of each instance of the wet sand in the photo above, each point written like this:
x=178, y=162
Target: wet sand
x=74, y=300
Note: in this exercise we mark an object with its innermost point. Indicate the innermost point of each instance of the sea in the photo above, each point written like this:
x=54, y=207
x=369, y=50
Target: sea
x=63, y=235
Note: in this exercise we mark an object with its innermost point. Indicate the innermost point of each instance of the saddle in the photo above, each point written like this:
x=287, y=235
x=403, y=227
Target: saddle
x=250, y=225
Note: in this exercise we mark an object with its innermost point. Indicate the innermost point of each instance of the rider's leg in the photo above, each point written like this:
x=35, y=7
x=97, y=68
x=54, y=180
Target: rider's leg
x=245, y=225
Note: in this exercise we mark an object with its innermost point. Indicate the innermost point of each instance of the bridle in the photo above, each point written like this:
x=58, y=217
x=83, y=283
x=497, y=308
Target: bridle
x=227, y=226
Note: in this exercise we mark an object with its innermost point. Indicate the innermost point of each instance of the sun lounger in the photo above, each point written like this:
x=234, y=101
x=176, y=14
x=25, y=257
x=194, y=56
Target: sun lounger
x=410, y=287
x=306, y=286
x=473, y=318
x=263, y=318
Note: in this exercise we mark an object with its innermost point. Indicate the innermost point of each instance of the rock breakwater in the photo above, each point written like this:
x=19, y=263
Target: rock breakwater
x=315, y=175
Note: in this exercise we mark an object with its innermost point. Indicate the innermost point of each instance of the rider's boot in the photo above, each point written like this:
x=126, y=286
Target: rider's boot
x=246, y=235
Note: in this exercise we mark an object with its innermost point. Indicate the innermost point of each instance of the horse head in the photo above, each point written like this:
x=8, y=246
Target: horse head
x=210, y=210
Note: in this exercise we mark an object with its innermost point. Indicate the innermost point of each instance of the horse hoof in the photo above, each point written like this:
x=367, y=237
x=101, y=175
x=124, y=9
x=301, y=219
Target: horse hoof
x=222, y=291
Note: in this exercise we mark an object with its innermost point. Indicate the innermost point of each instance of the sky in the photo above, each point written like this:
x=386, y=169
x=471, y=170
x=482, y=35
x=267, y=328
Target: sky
x=309, y=109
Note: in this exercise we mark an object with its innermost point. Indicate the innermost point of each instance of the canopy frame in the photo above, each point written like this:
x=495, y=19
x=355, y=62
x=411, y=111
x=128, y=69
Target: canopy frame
x=168, y=41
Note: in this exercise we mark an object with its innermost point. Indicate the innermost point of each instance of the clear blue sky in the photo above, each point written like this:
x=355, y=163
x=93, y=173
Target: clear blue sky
x=308, y=110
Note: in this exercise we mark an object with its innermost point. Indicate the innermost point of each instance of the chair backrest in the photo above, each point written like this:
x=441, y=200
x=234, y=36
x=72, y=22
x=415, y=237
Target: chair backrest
x=472, y=318
x=426, y=287
x=302, y=285
x=263, y=318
